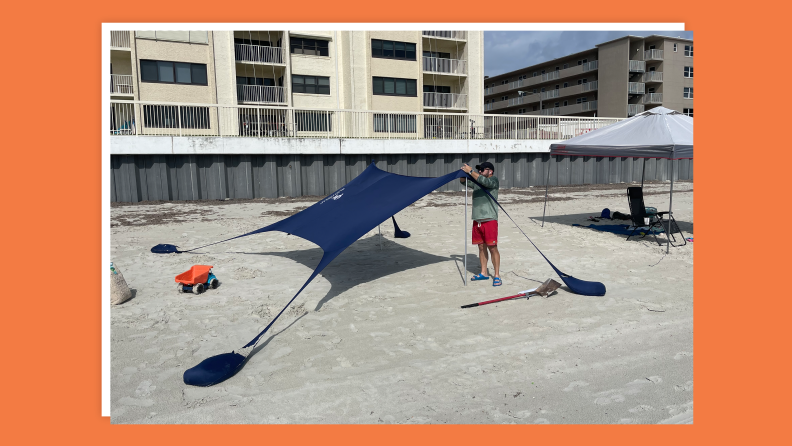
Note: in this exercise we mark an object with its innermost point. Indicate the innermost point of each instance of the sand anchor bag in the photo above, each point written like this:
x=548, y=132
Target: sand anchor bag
x=119, y=290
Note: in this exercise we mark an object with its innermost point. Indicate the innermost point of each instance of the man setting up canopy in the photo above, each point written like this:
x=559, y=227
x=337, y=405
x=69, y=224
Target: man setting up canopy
x=485, y=218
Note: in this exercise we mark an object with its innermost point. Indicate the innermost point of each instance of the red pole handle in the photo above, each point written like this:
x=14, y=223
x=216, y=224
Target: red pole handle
x=493, y=301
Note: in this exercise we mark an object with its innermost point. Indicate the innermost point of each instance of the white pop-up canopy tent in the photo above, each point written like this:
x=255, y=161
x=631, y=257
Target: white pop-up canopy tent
x=655, y=133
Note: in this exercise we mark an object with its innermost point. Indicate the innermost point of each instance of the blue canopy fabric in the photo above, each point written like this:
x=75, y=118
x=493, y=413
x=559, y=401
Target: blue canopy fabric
x=333, y=224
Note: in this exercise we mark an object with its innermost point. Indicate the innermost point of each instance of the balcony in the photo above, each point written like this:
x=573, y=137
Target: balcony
x=653, y=55
x=259, y=94
x=453, y=35
x=258, y=54
x=444, y=100
x=546, y=77
x=653, y=76
x=119, y=40
x=121, y=85
x=637, y=66
x=567, y=109
x=634, y=109
x=636, y=88
x=652, y=98
x=445, y=66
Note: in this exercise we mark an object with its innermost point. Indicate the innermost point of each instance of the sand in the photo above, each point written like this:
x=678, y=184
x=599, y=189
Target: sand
x=380, y=337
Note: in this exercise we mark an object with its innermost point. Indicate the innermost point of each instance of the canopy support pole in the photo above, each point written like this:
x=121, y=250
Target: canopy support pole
x=670, y=201
x=547, y=181
x=464, y=235
x=643, y=172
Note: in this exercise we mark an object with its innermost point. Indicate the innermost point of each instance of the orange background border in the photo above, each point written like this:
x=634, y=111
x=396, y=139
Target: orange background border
x=52, y=315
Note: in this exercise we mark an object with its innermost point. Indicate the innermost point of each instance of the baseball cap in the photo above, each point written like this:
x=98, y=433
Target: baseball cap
x=485, y=165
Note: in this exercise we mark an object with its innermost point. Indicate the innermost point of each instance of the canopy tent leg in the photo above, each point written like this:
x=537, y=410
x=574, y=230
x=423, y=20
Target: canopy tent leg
x=464, y=235
x=670, y=202
x=547, y=181
x=643, y=172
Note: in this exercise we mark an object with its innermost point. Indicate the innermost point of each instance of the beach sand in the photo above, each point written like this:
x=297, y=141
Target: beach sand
x=379, y=336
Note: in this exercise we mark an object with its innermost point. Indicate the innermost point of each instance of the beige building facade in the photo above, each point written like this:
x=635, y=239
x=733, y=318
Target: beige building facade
x=618, y=79
x=393, y=71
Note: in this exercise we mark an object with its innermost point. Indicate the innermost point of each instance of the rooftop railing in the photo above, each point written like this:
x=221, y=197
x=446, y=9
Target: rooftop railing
x=119, y=39
x=456, y=35
x=143, y=118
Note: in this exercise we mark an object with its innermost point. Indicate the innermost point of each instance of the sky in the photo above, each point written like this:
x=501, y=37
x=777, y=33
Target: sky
x=506, y=51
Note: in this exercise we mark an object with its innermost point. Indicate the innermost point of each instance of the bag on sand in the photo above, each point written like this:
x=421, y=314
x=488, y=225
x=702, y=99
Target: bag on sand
x=119, y=290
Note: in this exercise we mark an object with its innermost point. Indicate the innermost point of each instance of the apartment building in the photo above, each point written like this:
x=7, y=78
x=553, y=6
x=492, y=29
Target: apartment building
x=619, y=78
x=393, y=71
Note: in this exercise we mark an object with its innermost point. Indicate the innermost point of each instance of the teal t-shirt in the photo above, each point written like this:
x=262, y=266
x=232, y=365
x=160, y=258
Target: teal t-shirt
x=484, y=209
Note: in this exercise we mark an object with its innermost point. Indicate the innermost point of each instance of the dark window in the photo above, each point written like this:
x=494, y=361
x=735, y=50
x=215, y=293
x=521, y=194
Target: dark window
x=688, y=111
x=384, y=123
x=311, y=84
x=173, y=72
x=566, y=65
x=436, y=89
x=437, y=54
x=688, y=71
x=675, y=47
x=566, y=84
x=566, y=103
x=169, y=116
x=392, y=50
x=688, y=93
x=688, y=50
x=313, y=121
x=252, y=42
x=393, y=86
x=312, y=47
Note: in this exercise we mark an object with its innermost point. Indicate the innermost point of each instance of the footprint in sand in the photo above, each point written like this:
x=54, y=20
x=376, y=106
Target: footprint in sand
x=575, y=384
x=681, y=355
x=641, y=408
x=687, y=387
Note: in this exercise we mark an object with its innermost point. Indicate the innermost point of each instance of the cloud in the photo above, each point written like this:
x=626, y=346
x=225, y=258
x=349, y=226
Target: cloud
x=506, y=51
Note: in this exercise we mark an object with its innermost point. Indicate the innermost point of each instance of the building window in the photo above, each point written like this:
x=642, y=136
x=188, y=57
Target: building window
x=675, y=47
x=387, y=49
x=534, y=74
x=389, y=123
x=558, y=68
x=504, y=82
x=688, y=94
x=566, y=103
x=171, y=116
x=534, y=91
x=310, y=84
x=566, y=65
x=543, y=89
x=585, y=81
x=688, y=50
x=313, y=121
x=556, y=105
x=393, y=86
x=504, y=98
x=557, y=86
x=688, y=71
x=439, y=89
x=580, y=100
x=311, y=47
x=173, y=72
x=566, y=84
x=242, y=80
x=580, y=62
x=688, y=112
x=650, y=90
x=543, y=71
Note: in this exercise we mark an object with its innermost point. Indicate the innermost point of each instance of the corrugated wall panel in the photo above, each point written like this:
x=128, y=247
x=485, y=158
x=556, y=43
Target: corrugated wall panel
x=335, y=173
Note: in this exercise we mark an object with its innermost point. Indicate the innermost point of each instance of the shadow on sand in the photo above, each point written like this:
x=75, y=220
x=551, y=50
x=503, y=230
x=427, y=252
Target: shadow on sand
x=583, y=221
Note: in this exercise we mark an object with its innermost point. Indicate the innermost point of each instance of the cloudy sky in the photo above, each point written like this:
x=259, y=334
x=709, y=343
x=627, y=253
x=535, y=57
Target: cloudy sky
x=506, y=51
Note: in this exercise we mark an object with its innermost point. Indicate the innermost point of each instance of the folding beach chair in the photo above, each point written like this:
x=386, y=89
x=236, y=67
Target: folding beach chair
x=639, y=215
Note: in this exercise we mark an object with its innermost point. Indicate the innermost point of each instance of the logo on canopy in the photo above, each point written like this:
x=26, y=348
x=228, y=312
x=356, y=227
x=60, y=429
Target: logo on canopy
x=336, y=195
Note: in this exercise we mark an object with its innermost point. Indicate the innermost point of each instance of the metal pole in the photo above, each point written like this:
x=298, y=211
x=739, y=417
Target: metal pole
x=464, y=236
x=547, y=181
x=643, y=172
x=670, y=201
x=379, y=228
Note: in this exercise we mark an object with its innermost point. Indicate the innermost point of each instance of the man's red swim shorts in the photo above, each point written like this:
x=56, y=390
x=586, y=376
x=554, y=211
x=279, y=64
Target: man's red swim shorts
x=486, y=232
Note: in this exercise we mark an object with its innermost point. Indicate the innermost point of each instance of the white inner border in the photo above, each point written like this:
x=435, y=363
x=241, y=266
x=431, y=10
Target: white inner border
x=107, y=27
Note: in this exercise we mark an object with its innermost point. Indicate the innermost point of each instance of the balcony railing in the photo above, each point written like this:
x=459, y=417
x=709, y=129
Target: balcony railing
x=636, y=88
x=445, y=66
x=261, y=94
x=258, y=53
x=121, y=84
x=652, y=98
x=546, y=77
x=456, y=35
x=637, y=66
x=444, y=100
x=653, y=55
x=653, y=76
x=119, y=39
x=137, y=118
x=634, y=109
x=590, y=86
